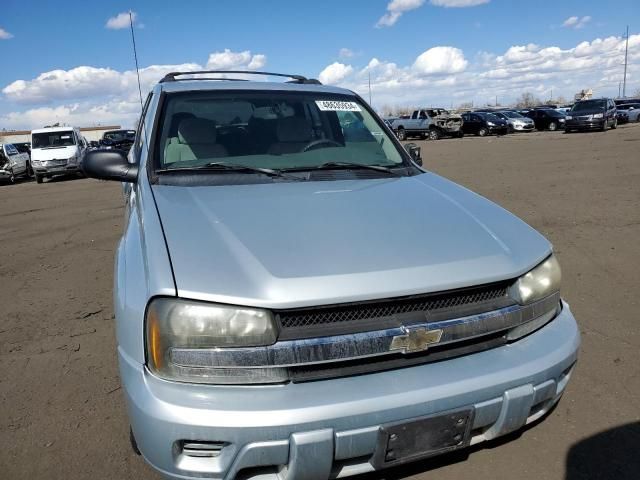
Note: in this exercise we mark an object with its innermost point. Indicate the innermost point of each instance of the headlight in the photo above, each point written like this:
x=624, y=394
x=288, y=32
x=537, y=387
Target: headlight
x=597, y=115
x=178, y=331
x=491, y=124
x=569, y=117
x=539, y=283
x=542, y=287
x=561, y=120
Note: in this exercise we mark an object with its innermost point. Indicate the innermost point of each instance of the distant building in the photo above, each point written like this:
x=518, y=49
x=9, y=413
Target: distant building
x=90, y=133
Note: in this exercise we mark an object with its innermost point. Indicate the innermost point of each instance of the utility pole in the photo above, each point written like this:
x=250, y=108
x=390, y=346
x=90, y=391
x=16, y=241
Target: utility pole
x=619, y=88
x=624, y=79
x=496, y=100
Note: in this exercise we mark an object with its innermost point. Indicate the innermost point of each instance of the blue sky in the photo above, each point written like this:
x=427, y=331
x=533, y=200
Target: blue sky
x=423, y=51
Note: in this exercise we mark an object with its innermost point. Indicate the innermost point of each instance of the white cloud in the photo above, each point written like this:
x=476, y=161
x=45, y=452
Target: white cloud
x=335, y=73
x=395, y=9
x=441, y=60
x=121, y=21
x=346, y=53
x=228, y=60
x=4, y=35
x=457, y=3
x=576, y=22
x=442, y=74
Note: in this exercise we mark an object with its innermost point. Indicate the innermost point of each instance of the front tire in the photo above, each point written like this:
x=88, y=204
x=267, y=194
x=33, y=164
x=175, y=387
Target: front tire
x=38, y=178
x=615, y=124
x=460, y=134
x=434, y=134
x=482, y=132
x=553, y=126
x=402, y=135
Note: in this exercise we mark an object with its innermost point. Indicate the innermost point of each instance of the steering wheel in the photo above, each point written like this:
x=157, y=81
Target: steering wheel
x=321, y=141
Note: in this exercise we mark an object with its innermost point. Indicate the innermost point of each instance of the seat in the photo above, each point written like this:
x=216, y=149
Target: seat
x=293, y=134
x=196, y=140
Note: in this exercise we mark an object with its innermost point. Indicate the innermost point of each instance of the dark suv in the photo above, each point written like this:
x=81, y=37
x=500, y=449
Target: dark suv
x=483, y=123
x=546, y=118
x=596, y=114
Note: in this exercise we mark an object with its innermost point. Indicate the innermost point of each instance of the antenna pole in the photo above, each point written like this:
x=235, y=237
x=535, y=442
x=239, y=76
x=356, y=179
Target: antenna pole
x=624, y=80
x=369, y=88
x=135, y=56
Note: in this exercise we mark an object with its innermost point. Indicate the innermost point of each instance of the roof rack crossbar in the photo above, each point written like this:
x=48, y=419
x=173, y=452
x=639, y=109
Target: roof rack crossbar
x=171, y=76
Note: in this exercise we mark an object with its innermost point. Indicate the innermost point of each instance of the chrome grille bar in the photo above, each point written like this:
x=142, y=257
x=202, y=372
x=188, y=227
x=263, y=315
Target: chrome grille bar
x=339, y=348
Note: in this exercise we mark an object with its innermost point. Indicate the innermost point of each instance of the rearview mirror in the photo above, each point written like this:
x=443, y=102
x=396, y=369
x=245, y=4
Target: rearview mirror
x=414, y=152
x=109, y=165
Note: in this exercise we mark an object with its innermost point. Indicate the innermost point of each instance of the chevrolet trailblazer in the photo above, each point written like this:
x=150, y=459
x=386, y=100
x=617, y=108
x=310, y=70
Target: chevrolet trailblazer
x=296, y=298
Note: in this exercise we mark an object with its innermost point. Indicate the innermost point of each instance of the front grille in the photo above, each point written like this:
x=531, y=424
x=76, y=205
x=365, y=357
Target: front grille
x=343, y=318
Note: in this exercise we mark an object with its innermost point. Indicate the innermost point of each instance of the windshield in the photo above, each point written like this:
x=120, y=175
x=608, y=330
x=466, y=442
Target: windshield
x=492, y=117
x=512, y=114
x=589, y=105
x=274, y=130
x=52, y=139
x=119, y=135
x=628, y=106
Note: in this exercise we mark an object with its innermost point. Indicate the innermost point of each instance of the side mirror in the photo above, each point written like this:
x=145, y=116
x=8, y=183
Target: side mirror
x=109, y=165
x=414, y=152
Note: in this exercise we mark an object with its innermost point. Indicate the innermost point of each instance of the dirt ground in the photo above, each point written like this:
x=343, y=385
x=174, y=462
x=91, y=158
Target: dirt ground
x=62, y=413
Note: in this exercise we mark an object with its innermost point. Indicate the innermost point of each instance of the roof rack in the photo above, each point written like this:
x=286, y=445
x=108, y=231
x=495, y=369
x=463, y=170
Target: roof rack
x=171, y=76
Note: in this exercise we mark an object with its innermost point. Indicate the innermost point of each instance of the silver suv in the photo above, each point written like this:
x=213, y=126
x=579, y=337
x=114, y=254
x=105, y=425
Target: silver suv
x=296, y=298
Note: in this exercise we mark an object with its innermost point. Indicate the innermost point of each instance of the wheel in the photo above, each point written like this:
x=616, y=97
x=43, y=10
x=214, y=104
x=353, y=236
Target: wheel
x=482, y=132
x=38, y=178
x=511, y=129
x=402, y=135
x=460, y=134
x=434, y=134
x=553, y=126
x=12, y=178
x=615, y=124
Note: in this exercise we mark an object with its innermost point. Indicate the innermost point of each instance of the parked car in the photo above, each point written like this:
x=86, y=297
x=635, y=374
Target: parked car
x=121, y=139
x=632, y=110
x=56, y=151
x=546, y=118
x=594, y=114
x=432, y=123
x=12, y=163
x=25, y=147
x=515, y=121
x=483, y=123
x=264, y=320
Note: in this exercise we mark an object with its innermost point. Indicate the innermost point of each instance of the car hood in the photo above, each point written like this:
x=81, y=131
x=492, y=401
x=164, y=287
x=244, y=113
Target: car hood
x=283, y=245
x=53, y=153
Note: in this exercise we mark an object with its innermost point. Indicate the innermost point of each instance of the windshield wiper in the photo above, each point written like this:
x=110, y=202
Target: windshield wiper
x=229, y=167
x=334, y=165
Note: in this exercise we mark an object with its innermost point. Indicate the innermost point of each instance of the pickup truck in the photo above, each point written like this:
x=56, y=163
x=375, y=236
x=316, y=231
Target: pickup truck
x=432, y=123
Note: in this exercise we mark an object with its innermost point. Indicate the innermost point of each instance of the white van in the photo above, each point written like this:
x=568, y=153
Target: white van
x=56, y=151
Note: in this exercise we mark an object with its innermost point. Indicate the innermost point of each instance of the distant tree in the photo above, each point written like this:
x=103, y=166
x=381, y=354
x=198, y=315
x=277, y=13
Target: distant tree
x=527, y=100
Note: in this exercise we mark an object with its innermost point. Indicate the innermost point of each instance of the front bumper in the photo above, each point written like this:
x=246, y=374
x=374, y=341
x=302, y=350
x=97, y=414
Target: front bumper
x=328, y=429
x=50, y=170
x=527, y=127
x=584, y=124
x=499, y=130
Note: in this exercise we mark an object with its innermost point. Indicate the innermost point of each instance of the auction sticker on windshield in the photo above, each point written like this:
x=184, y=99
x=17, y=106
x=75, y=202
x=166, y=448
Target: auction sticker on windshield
x=337, y=106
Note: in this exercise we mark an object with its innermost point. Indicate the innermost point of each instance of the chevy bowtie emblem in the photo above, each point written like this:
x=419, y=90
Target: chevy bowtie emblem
x=417, y=340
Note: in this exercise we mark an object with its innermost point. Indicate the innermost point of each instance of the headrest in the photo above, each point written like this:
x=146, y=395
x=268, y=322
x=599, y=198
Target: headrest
x=197, y=130
x=293, y=129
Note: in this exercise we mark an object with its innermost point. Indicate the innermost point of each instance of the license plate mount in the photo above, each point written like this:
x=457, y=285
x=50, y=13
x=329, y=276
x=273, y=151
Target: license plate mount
x=423, y=437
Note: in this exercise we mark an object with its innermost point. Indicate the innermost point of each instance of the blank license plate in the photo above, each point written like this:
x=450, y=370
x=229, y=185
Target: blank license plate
x=423, y=437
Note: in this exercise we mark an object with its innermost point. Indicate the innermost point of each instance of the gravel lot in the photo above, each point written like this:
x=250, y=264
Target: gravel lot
x=62, y=410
